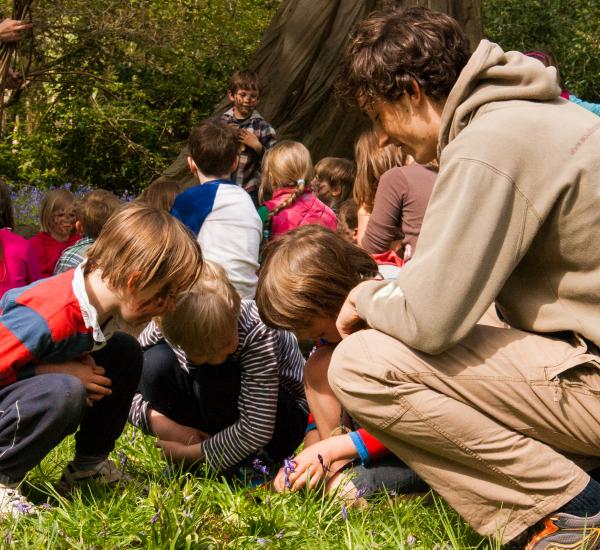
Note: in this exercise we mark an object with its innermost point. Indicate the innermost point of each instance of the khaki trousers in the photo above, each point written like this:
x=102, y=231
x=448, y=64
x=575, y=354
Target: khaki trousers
x=502, y=425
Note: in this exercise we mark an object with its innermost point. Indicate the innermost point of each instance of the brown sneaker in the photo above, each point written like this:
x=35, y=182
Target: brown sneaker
x=105, y=473
x=568, y=532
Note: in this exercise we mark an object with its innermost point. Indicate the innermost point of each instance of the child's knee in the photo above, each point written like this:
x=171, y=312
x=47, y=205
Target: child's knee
x=317, y=366
x=66, y=396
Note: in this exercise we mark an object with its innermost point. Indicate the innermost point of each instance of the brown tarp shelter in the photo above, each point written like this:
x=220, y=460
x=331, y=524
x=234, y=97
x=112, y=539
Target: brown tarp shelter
x=298, y=61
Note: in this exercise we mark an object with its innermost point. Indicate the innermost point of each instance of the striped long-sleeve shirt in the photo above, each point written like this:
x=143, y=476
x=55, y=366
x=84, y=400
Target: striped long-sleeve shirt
x=268, y=359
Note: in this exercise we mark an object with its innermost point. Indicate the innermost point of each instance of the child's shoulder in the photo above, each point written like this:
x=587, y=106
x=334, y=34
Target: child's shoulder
x=51, y=301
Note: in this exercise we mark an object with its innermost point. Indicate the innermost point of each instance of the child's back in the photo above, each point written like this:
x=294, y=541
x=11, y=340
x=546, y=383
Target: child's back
x=286, y=169
x=228, y=229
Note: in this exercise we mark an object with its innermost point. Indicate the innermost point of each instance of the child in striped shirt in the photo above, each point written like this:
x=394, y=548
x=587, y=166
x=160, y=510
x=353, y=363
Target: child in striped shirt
x=218, y=385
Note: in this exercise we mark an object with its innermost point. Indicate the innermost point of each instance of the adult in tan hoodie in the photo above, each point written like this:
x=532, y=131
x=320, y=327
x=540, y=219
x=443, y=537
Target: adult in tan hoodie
x=502, y=422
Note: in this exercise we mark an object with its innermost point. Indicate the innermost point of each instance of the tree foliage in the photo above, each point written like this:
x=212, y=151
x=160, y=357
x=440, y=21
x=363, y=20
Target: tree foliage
x=115, y=86
x=570, y=30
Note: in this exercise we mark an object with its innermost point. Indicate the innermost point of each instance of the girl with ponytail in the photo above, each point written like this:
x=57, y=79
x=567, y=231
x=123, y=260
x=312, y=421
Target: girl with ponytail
x=286, y=170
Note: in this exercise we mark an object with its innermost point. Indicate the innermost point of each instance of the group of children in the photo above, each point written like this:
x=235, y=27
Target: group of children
x=222, y=292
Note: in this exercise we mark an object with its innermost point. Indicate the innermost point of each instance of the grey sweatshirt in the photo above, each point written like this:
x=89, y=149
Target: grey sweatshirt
x=514, y=215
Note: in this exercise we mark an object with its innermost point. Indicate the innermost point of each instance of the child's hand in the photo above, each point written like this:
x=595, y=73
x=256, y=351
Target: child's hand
x=179, y=452
x=348, y=320
x=315, y=463
x=250, y=140
x=90, y=374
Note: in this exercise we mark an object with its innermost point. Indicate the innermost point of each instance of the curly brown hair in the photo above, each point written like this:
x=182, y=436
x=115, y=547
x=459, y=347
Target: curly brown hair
x=390, y=49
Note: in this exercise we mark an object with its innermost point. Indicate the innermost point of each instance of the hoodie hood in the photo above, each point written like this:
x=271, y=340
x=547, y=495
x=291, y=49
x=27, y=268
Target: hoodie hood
x=492, y=74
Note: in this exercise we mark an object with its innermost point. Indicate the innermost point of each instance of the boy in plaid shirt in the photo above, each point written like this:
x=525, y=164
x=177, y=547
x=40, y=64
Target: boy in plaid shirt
x=255, y=134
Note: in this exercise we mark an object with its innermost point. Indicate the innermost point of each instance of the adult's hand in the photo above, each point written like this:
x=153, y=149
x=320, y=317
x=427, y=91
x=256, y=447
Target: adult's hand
x=348, y=320
x=12, y=30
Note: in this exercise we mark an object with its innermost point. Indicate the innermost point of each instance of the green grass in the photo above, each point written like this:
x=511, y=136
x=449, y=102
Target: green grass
x=160, y=511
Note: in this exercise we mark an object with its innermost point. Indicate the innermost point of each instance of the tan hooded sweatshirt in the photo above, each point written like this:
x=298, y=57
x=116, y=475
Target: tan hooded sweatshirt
x=514, y=215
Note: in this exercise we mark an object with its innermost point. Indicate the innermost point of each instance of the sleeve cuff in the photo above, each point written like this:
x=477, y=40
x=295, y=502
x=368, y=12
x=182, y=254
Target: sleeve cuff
x=361, y=448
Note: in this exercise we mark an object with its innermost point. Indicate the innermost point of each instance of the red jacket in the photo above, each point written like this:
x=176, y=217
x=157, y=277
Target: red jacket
x=48, y=250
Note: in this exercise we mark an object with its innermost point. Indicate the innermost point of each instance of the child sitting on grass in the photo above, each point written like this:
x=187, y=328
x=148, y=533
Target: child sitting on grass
x=286, y=173
x=333, y=181
x=219, y=212
x=348, y=221
x=57, y=217
x=63, y=367
x=254, y=133
x=217, y=384
x=91, y=213
x=304, y=280
x=18, y=261
x=161, y=193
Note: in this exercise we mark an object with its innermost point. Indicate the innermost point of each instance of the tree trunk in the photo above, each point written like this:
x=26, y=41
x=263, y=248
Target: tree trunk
x=298, y=61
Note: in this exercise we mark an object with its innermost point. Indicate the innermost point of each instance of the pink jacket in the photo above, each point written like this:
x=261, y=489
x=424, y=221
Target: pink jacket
x=20, y=265
x=305, y=210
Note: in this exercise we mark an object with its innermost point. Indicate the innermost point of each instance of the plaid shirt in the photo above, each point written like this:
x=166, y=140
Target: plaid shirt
x=247, y=174
x=73, y=255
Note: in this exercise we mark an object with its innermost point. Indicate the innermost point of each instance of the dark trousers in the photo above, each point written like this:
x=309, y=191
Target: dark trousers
x=37, y=413
x=207, y=399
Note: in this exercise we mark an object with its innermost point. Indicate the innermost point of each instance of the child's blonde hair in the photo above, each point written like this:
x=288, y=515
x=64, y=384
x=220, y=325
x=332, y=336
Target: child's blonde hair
x=206, y=316
x=161, y=193
x=286, y=164
x=372, y=161
x=148, y=244
x=340, y=173
x=93, y=211
x=308, y=273
x=56, y=199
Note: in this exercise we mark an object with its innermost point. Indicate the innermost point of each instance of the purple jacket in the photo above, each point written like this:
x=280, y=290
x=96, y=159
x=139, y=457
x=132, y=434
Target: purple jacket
x=305, y=210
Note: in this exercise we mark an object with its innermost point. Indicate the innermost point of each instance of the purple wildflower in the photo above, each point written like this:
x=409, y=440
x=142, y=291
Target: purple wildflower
x=411, y=540
x=122, y=460
x=280, y=534
x=155, y=517
x=344, y=512
x=361, y=491
x=323, y=465
x=262, y=541
x=45, y=506
x=260, y=467
x=23, y=507
x=289, y=467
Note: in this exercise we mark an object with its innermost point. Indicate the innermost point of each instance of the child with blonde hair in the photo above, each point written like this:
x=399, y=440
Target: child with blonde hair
x=333, y=181
x=218, y=386
x=303, y=283
x=57, y=218
x=63, y=365
x=286, y=172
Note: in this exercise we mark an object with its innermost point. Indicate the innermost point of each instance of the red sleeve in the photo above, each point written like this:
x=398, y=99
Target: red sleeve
x=374, y=447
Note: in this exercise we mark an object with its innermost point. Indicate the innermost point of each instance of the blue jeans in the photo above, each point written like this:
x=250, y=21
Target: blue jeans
x=37, y=413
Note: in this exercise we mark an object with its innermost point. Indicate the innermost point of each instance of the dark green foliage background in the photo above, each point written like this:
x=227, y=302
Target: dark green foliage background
x=118, y=84
x=568, y=28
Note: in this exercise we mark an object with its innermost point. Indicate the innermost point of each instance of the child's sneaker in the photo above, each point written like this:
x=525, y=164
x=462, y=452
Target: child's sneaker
x=566, y=531
x=13, y=503
x=105, y=473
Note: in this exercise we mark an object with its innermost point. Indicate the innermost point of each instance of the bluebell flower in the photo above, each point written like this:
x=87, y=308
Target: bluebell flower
x=289, y=467
x=344, y=512
x=260, y=467
x=411, y=540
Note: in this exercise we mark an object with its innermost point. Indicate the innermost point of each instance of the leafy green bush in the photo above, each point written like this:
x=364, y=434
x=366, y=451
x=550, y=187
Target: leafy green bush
x=116, y=86
x=568, y=29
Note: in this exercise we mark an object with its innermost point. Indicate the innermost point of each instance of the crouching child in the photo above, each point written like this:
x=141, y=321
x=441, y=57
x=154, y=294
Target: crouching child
x=63, y=366
x=217, y=385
